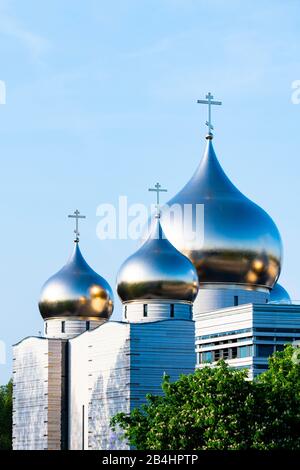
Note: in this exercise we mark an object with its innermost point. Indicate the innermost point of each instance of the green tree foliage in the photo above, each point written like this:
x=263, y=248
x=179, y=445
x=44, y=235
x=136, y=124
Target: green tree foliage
x=6, y=416
x=217, y=408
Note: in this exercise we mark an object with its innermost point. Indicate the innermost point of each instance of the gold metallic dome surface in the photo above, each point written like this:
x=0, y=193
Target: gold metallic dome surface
x=237, y=243
x=76, y=291
x=279, y=295
x=157, y=271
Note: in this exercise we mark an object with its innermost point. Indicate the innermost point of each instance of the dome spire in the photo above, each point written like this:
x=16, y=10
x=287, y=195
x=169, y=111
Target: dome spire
x=76, y=291
x=209, y=101
x=233, y=240
x=157, y=271
x=77, y=216
x=158, y=189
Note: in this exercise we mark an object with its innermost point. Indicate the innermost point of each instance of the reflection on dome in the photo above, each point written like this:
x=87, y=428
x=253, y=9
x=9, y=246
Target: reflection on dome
x=76, y=291
x=237, y=243
x=157, y=271
x=279, y=295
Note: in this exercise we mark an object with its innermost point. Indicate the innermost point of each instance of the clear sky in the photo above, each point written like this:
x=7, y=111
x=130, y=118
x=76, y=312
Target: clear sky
x=101, y=102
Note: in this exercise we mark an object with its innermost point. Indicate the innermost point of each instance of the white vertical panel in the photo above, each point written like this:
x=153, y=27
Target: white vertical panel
x=38, y=394
x=99, y=368
x=30, y=399
x=113, y=368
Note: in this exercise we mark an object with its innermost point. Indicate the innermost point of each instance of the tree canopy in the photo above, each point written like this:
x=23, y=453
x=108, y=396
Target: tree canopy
x=218, y=408
x=6, y=416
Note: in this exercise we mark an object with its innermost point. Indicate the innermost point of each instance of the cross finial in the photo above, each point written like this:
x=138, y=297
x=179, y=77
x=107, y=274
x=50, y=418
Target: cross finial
x=158, y=189
x=209, y=101
x=76, y=216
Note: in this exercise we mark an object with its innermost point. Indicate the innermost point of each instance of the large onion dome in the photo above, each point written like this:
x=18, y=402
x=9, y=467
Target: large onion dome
x=76, y=291
x=157, y=271
x=236, y=243
x=279, y=295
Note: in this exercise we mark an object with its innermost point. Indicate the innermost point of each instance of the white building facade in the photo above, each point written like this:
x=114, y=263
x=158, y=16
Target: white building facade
x=246, y=335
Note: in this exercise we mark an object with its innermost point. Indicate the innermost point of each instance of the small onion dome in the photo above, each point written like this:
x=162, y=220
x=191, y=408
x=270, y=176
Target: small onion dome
x=76, y=291
x=279, y=295
x=236, y=242
x=157, y=271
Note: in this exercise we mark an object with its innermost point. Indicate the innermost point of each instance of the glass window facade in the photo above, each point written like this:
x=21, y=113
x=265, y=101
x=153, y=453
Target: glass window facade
x=245, y=351
x=225, y=333
x=225, y=353
x=207, y=357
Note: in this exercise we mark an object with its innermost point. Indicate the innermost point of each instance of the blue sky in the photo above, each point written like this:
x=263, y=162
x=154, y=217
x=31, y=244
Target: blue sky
x=101, y=102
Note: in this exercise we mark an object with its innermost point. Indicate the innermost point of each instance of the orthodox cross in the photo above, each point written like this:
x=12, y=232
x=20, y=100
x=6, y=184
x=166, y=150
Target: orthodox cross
x=209, y=101
x=158, y=189
x=76, y=216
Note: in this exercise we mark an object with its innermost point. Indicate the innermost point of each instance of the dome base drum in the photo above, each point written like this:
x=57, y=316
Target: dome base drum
x=215, y=297
x=68, y=328
x=150, y=311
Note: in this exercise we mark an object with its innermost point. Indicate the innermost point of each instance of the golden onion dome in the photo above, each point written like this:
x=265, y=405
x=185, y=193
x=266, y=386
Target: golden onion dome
x=279, y=295
x=76, y=291
x=236, y=242
x=157, y=271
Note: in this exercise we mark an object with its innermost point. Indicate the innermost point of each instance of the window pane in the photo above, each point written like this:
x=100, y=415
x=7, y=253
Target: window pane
x=145, y=310
x=265, y=350
x=245, y=351
x=234, y=353
x=207, y=356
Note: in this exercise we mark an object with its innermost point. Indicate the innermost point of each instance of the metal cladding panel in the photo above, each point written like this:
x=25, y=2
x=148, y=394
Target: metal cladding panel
x=158, y=348
x=211, y=299
x=99, y=371
x=37, y=394
x=276, y=316
x=56, y=395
